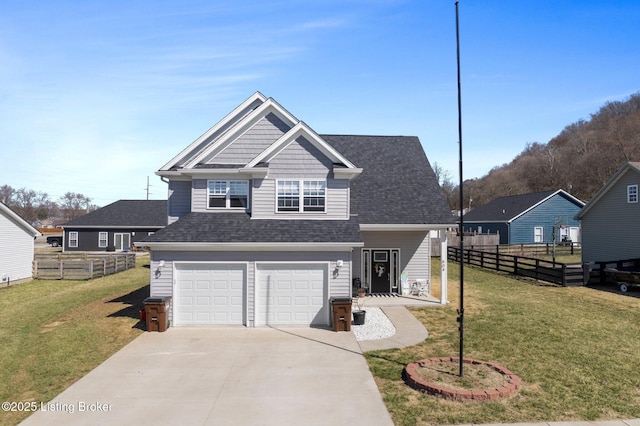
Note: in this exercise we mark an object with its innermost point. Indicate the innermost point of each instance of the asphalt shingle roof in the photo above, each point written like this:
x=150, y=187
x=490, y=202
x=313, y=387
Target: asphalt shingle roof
x=240, y=228
x=397, y=184
x=125, y=213
x=504, y=209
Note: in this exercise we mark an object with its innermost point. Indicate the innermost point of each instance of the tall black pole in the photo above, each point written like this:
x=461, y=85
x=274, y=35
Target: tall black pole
x=461, y=227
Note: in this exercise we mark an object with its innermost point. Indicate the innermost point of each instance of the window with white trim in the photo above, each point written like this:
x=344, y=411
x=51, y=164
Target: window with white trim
x=632, y=193
x=73, y=239
x=312, y=197
x=103, y=239
x=228, y=194
x=538, y=234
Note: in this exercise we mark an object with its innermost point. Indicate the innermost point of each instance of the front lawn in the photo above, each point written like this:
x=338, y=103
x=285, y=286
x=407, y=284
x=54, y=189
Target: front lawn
x=54, y=332
x=576, y=350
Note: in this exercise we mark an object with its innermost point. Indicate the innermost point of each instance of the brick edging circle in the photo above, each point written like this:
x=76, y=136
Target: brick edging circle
x=412, y=378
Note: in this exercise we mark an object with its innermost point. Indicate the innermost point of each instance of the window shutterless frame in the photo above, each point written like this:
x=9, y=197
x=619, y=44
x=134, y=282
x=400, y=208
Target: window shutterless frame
x=228, y=194
x=632, y=194
x=301, y=196
x=73, y=239
x=103, y=239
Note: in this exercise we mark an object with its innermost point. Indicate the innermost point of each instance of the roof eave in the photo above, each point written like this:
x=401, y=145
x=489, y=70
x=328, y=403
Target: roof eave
x=404, y=226
x=20, y=221
x=257, y=97
x=346, y=173
x=605, y=188
x=113, y=226
x=249, y=246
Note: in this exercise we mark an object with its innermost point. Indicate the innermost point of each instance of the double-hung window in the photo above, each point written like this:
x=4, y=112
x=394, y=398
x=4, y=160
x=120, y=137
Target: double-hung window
x=301, y=195
x=102, y=239
x=73, y=239
x=632, y=193
x=288, y=196
x=228, y=194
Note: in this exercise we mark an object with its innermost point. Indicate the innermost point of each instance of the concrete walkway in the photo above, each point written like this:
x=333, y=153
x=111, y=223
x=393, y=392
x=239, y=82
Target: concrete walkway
x=409, y=331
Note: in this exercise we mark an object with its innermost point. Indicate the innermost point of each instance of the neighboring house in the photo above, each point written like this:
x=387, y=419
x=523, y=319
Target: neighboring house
x=116, y=226
x=16, y=246
x=611, y=219
x=528, y=218
x=268, y=220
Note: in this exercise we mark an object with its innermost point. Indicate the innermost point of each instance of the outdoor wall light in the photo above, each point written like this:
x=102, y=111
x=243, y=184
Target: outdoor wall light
x=161, y=264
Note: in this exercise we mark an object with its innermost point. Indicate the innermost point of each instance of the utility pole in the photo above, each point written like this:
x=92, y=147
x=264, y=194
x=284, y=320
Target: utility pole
x=460, y=318
x=148, y=188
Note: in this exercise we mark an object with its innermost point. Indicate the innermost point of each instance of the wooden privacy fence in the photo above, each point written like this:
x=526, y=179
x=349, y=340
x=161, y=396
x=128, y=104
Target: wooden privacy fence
x=83, y=266
x=554, y=272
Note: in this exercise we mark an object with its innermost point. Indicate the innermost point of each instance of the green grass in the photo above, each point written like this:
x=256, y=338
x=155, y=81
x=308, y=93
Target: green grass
x=54, y=332
x=576, y=350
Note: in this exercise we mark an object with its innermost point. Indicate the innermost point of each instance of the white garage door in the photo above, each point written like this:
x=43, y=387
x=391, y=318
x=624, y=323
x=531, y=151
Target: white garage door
x=209, y=294
x=292, y=294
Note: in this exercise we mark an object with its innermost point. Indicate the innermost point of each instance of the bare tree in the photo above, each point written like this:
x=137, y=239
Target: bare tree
x=7, y=195
x=75, y=204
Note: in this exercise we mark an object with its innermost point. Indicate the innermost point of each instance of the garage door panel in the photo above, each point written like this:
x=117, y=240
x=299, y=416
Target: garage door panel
x=284, y=301
x=292, y=294
x=301, y=301
x=210, y=294
x=283, y=285
x=203, y=301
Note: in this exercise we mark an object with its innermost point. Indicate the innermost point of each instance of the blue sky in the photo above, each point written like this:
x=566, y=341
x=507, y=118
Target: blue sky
x=97, y=95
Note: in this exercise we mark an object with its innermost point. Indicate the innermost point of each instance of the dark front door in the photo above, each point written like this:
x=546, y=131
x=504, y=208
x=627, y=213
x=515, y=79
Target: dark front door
x=380, y=272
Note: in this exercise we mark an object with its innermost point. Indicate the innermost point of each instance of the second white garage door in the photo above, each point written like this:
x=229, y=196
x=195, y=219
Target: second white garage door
x=292, y=294
x=208, y=294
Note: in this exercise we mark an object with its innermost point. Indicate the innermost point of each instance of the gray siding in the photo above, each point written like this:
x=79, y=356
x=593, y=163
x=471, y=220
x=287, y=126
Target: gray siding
x=300, y=160
x=162, y=283
x=253, y=142
x=415, y=256
x=16, y=251
x=611, y=228
x=199, y=195
x=179, y=201
x=264, y=201
x=199, y=192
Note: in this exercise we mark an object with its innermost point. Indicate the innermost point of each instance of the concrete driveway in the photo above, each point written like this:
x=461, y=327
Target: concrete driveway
x=226, y=376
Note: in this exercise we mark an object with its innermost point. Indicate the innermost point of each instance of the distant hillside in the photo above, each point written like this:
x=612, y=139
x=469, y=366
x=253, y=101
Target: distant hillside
x=579, y=160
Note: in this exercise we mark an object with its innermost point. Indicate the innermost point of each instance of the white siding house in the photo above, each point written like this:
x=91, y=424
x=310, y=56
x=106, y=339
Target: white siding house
x=16, y=246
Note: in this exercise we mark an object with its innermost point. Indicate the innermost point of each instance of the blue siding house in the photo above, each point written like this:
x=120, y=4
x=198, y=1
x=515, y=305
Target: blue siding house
x=528, y=218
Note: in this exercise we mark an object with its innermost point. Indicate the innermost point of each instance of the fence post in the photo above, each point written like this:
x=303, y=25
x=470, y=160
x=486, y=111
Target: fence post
x=515, y=265
x=586, y=273
x=35, y=269
x=91, y=269
x=564, y=275
x=497, y=261
x=61, y=267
